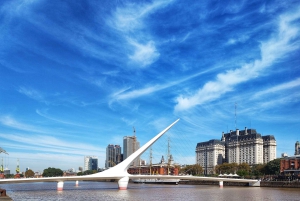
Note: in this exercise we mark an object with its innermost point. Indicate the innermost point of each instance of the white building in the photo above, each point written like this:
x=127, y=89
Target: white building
x=209, y=154
x=90, y=163
x=246, y=146
x=243, y=147
x=269, y=144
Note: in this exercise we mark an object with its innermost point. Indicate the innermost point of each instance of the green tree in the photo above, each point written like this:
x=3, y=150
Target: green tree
x=29, y=173
x=9, y=176
x=273, y=167
x=52, y=172
x=195, y=169
x=87, y=172
x=243, y=169
x=258, y=170
x=226, y=168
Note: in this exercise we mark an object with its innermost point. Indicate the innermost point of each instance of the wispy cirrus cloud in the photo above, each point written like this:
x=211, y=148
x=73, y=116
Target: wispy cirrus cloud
x=127, y=93
x=44, y=114
x=285, y=86
x=144, y=54
x=129, y=21
x=44, y=143
x=32, y=93
x=12, y=123
x=277, y=47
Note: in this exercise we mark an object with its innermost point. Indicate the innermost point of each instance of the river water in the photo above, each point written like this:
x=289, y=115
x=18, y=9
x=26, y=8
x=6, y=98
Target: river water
x=136, y=192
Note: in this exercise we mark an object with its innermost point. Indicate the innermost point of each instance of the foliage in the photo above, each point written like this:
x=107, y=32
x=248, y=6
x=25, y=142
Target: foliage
x=226, y=168
x=29, y=173
x=258, y=170
x=9, y=176
x=195, y=169
x=273, y=167
x=87, y=172
x=244, y=170
x=52, y=172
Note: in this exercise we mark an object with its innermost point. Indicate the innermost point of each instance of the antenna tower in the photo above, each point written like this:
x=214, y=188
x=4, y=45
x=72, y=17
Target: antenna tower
x=235, y=114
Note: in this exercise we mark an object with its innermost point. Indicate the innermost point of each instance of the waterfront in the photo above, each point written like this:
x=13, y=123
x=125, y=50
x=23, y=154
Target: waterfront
x=109, y=191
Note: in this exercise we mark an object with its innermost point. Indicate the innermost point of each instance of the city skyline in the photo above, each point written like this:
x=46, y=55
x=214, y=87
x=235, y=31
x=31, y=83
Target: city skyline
x=75, y=77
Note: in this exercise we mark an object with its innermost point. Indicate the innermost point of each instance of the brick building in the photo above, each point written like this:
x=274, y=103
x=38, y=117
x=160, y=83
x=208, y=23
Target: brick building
x=290, y=165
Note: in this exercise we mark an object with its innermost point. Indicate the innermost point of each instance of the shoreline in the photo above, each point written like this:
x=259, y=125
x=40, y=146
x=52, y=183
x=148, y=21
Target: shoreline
x=277, y=184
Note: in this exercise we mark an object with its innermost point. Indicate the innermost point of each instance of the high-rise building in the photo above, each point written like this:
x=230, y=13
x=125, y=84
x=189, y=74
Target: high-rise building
x=209, y=154
x=90, y=163
x=297, y=148
x=269, y=146
x=245, y=146
x=113, y=155
x=130, y=145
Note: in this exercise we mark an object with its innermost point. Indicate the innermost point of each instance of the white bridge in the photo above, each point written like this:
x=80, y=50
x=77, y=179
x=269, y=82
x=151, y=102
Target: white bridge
x=120, y=172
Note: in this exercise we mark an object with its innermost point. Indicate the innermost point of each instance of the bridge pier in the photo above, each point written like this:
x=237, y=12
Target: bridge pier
x=76, y=183
x=221, y=184
x=60, y=186
x=123, y=183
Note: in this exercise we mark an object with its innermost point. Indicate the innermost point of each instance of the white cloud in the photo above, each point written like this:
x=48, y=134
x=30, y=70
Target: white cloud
x=271, y=51
x=278, y=88
x=50, y=144
x=125, y=93
x=129, y=21
x=144, y=55
x=31, y=93
x=10, y=122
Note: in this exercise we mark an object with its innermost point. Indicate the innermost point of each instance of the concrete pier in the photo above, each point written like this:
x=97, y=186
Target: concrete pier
x=5, y=198
x=3, y=195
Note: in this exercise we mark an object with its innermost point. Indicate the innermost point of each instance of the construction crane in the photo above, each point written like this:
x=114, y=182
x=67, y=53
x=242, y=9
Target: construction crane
x=18, y=167
x=3, y=151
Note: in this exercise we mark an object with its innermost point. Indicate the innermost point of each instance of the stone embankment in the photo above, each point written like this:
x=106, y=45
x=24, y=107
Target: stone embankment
x=4, y=196
x=279, y=184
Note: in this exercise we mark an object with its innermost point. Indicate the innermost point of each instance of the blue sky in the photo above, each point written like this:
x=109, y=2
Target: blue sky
x=77, y=76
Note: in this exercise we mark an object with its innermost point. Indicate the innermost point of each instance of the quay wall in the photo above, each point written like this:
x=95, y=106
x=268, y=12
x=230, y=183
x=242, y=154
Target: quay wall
x=193, y=182
x=279, y=184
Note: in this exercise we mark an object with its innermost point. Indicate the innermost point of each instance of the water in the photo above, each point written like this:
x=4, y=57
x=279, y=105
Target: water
x=137, y=192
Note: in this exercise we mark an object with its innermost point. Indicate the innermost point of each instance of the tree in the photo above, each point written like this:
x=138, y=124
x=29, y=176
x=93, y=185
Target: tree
x=29, y=173
x=258, y=170
x=273, y=167
x=243, y=169
x=52, y=172
x=195, y=169
x=226, y=168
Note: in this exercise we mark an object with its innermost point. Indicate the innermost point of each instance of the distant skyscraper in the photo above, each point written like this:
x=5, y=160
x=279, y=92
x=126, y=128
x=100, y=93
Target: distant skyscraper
x=113, y=155
x=130, y=145
x=297, y=148
x=90, y=163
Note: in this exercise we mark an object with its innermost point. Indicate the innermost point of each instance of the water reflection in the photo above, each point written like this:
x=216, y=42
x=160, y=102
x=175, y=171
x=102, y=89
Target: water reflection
x=109, y=191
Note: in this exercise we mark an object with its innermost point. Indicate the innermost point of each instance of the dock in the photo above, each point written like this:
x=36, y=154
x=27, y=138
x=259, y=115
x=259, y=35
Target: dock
x=5, y=198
